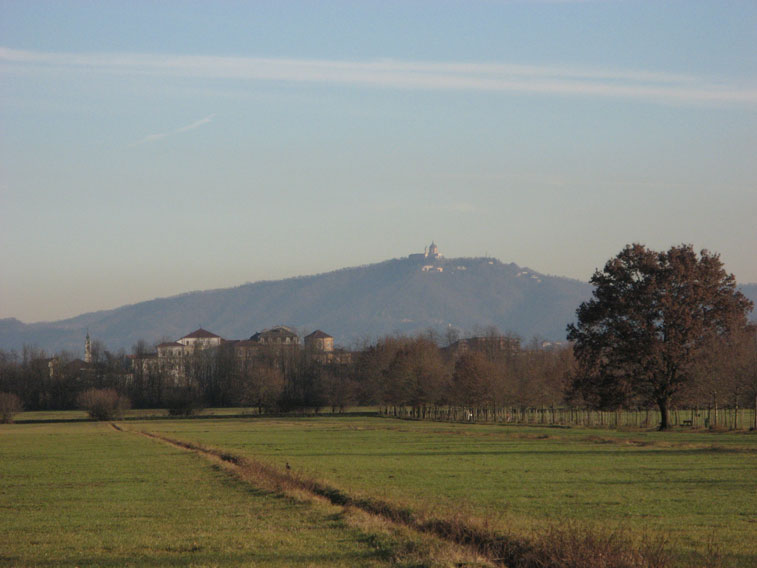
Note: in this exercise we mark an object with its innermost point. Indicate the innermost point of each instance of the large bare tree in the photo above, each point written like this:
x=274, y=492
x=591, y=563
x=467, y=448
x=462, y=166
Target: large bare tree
x=650, y=314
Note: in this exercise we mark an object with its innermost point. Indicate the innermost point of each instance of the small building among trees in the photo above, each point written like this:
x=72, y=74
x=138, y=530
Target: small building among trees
x=319, y=341
x=485, y=344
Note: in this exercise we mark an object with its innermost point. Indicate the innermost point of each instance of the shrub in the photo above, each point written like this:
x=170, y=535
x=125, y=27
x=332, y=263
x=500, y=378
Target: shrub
x=182, y=402
x=103, y=404
x=10, y=405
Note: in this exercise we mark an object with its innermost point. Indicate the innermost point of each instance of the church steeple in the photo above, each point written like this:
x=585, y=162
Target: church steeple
x=88, y=349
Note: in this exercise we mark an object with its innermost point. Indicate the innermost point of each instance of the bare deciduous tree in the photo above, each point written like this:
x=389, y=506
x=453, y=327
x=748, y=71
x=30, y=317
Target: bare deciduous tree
x=650, y=314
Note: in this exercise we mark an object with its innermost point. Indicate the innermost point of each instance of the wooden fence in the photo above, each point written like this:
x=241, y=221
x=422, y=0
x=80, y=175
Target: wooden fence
x=707, y=418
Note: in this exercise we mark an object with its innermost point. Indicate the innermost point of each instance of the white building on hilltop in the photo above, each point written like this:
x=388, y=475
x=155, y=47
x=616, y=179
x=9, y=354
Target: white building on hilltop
x=430, y=252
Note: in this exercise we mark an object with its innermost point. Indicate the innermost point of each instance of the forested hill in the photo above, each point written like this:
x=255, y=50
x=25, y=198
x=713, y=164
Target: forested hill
x=351, y=304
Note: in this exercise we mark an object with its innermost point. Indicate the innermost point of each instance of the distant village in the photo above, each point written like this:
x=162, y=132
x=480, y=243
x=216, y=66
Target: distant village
x=279, y=340
x=170, y=358
x=278, y=369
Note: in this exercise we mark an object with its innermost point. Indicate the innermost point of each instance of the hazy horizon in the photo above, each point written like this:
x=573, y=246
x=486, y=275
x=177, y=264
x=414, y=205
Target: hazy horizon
x=295, y=276
x=284, y=277
x=152, y=149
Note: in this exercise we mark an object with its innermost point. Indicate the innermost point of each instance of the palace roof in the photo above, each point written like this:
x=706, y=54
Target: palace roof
x=201, y=334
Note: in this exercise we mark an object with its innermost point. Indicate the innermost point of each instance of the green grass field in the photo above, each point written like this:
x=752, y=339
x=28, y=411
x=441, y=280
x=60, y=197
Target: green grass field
x=87, y=494
x=696, y=489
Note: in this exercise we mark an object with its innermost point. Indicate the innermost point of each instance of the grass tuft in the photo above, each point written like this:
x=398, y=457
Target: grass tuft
x=577, y=546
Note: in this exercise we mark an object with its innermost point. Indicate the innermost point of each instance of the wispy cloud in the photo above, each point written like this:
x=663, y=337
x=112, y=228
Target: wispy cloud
x=668, y=88
x=187, y=128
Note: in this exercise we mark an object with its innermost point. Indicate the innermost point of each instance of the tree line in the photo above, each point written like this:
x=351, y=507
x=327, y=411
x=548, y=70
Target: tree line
x=397, y=370
x=412, y=373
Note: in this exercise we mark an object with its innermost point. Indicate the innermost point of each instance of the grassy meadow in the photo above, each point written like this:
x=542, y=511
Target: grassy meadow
x=698, y=490
x=86, y=494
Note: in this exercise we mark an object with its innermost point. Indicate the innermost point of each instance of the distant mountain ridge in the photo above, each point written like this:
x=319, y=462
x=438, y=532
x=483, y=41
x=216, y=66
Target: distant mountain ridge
x=406, y=295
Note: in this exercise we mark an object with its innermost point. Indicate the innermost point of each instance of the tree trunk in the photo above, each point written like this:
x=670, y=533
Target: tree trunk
x=736, y=413
x=664, y=422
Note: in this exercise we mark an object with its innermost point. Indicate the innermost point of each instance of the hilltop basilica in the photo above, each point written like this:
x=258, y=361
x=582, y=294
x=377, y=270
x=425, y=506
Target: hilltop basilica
x=430, y=252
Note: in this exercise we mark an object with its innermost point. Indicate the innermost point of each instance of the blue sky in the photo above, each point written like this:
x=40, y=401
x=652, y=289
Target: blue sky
x=153, y=148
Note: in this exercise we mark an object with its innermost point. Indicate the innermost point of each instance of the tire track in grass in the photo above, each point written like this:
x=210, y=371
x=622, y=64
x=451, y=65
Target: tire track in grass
x=474, y=548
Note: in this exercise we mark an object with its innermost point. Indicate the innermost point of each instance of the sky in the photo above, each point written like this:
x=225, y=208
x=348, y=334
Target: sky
x=151, y=148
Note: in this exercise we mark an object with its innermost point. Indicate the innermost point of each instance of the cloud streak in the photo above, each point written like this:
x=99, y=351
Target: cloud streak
x=187, y=128
x=666, y=88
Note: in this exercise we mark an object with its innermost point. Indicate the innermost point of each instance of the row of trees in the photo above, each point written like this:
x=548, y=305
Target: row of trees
x=395, y=371
x=46, y=382
x=414, y=372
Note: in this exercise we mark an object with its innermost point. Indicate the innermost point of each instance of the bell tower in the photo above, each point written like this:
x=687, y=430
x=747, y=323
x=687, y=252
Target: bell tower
x=87, y=349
